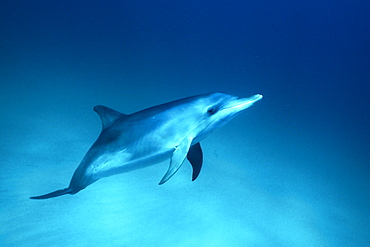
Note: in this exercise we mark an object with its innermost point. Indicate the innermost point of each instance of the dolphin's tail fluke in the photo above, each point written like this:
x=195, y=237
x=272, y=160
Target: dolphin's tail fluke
x=53, y=194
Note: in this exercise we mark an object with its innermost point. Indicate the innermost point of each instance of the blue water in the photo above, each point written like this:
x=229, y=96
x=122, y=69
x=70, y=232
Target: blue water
x=292, y=170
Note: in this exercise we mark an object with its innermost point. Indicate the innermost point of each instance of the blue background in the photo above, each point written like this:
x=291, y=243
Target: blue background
x=293, y=170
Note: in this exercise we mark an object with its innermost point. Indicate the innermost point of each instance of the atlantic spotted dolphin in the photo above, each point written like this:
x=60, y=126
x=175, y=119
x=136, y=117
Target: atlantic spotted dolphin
x=168, y=131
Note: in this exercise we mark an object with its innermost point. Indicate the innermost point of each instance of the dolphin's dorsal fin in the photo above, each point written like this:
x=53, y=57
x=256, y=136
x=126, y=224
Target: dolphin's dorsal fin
x=107, y=115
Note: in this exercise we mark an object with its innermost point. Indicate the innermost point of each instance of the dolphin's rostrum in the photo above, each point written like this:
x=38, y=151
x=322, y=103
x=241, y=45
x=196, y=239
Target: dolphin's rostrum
x=172, y=130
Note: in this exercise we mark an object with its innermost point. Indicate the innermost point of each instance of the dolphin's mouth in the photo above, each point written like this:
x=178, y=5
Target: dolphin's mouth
x=242, y=103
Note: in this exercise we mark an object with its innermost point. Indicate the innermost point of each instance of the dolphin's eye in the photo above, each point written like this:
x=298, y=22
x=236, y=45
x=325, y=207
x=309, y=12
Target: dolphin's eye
x=212, y=110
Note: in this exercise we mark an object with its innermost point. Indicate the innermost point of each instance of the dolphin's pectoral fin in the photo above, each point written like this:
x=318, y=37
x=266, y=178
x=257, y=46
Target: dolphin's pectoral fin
x=195, y=157
x=177, y=159
x=53, y=194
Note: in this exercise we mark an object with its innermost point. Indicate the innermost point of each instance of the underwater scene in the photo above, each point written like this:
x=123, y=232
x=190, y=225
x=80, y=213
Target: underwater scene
x=185, y=123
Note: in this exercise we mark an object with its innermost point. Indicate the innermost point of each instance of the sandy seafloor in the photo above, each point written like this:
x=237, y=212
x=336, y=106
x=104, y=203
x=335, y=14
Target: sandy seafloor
x=292, y=170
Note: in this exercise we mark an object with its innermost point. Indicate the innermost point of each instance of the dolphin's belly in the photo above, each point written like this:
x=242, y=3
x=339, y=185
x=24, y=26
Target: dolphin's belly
x=123, y=161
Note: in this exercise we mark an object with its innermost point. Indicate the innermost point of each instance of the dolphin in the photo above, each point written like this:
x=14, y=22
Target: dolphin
x=169, y=131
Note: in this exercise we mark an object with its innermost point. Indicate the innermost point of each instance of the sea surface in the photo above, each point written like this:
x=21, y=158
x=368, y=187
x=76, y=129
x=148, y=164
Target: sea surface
x=292, y=170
